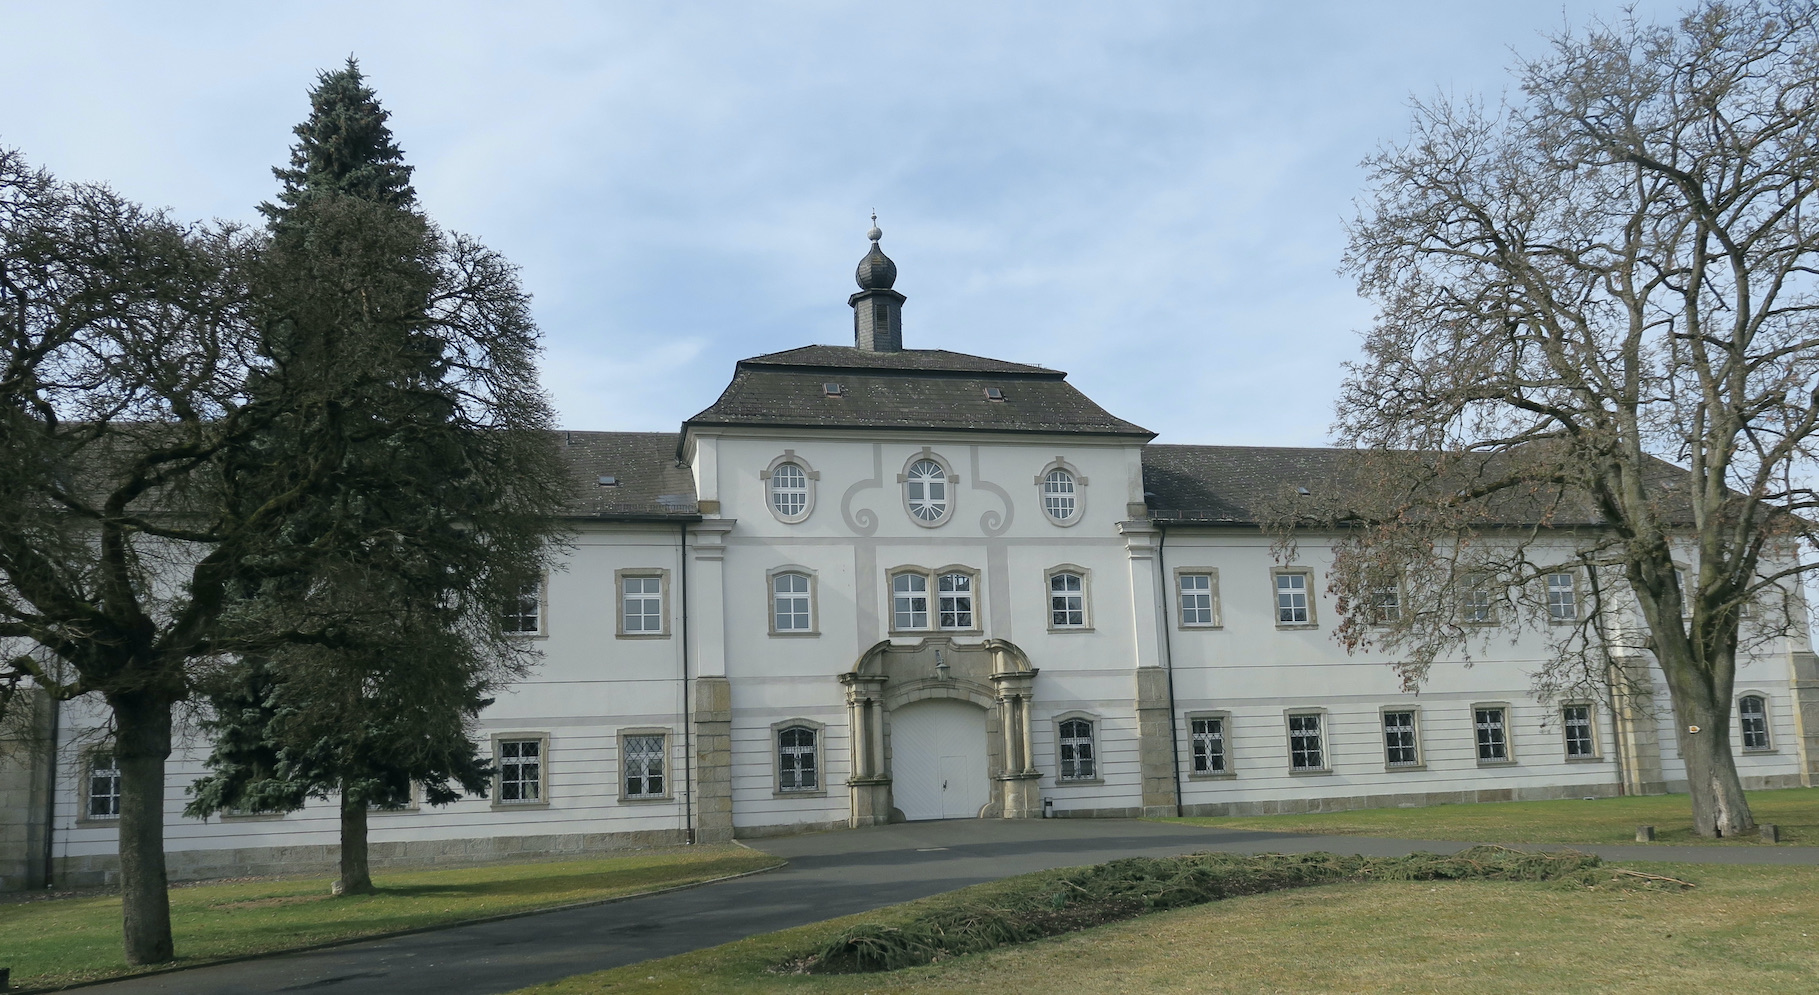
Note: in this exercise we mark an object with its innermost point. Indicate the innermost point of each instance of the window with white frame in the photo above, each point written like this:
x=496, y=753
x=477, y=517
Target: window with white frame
x=1079, y=761
x=1399, y=746
x=1576, y=725
x=1562, y=598
x=925, y=489
x=103, y=787
x=1386, y=604
x=1197, y=599
x=790, y=609
x=1058, y=495
x=954, y=600
x=1475, y=604
x=789, y=490
x=797, y=760
x=1208, y=734
x=1493, y=738
x=1066, y=600
x=520, y=771
x=909, y=601
x=524, y=617
x=641, y=758
x=1752, y=722
x=1291, y=598
x=1306, y=747
x=641, y=603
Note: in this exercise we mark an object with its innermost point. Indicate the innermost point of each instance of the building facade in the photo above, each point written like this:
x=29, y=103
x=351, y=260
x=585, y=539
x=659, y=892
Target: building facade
x=871, y=584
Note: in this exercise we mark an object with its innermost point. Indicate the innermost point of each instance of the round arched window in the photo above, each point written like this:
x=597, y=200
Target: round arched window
x=925, y=487
x=1058, y=494
x=789, y=490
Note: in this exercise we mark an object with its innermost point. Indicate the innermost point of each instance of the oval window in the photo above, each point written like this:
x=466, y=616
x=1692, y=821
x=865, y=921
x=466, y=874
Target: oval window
x=789, y=490
x=926, y=489
x=1058, y=495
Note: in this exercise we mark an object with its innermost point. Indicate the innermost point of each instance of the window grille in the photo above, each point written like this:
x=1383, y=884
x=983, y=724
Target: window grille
x=791, y=608
x=643, y=604
x=1067, y=600
x=1291, y=599
x=644, y=766
x=103, y=787
x=1752, y=714
x=796, y=759
x=789, y=490
x=1209, y=746
x=1196, y=599
x=1305, y=751
x=1492, y=743
x=1399, y=739
x=909, y=595
x=1576, y=720
x=1058, y=495
x=1077, y=758
x=520, y=771
x=955, y=595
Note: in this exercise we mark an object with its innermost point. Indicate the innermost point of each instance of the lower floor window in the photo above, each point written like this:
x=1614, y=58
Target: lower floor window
x=1752, y=715
x=1576, y=720
x=1492, y=743
x=796, y=759
x=520, y=770
x=1305, y=750
x=644, y=766
x=1077, y=757
x=103, y=787
x=1209, y=746
x=1399, y=749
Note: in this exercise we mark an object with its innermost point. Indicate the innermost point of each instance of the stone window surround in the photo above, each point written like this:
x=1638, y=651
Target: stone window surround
x=1578, y=602
x=663, y=595
x=1086, y=598
x=1469, y=585
x=1420, y=740
x=542, y=611
x=1768, y=721
x=813, y=475
x=84, y=768
x=1098, y=723
x=1591, y=713
x=669, y=764
x=543, y=779
x=931, y=576
x=820, y=731
x=1313, y=619
x=1509, y=738
x=1225, y=729
x=814, y=601
x=953, y=487
x=1326, y=739
x=1061, y=463
x=1212, y=573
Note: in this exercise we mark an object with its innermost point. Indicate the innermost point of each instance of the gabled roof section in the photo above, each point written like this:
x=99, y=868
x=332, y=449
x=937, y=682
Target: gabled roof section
x=647, y=485
x=910, y=389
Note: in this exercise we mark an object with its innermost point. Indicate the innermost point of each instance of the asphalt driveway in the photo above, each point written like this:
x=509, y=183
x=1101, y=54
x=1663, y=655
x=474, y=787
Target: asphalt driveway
x=829, y=874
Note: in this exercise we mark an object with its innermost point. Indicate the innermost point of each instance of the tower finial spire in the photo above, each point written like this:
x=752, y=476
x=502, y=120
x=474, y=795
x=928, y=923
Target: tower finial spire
x=874, y=234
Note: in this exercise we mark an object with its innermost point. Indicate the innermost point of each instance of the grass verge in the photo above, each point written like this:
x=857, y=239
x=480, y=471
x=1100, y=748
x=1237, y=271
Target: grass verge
x=1443, y=936
x=1605, y=820
x=62, y=940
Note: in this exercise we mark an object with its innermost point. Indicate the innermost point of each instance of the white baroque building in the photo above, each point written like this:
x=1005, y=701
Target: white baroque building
x=871, y=583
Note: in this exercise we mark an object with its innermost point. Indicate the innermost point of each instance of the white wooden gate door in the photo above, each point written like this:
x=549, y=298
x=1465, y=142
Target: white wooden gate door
x=938, y=765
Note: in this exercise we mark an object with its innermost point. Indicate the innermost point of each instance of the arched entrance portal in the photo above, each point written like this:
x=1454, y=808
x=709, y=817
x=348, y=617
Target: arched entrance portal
x=936, y=712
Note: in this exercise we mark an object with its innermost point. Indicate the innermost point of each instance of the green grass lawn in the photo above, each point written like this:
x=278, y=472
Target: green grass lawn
x=1606, y=820
x=1749, y=927
x=56, y=941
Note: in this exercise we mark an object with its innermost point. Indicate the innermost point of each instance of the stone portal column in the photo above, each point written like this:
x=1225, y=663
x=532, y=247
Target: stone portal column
x=1638, y=742
x=869, y=786
x=1017, y=781
x=1155, y=723
x=1804, y=674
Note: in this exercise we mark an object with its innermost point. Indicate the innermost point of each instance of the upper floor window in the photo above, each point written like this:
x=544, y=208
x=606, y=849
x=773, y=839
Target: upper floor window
x=103, y=787
x=1292, y=606
x=1199, y=597
x=1078, y=759
x=1752, y=721
x=790, y=607
x=909, y=601
x=789, y=490
x=955, y=600
x=1493, y=740
x=1475, y=603
x=1066, y=600
x=1058, y=495
x=1576, y=725
x=524, y=617
x=643, y=604
x=796, y=759
x=925, y=488
x=1562, y=598
x=1386, y=604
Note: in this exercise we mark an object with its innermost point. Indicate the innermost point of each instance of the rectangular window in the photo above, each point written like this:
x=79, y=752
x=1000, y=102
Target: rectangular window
x=103, y=787
x=1475, y=606
x=643, y=762
x=1752, y=716
x=1386, y=605
x=1291, y=599
x=1399, y=747
x=909, y=597
x=1197, y=599
x=1562, y=600
x=520, y=771
x=790, y=602
x=1209, y=745
x=1078, y=762
x=1576, y=722
x=955, y=593
x=643, y=605
x=1066, y=601
x=1493, y=744
x=525, y=616
x=1305, y=750
x=796, y=759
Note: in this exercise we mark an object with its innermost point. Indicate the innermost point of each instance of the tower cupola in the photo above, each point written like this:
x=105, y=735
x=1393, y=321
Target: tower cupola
x=877, y=309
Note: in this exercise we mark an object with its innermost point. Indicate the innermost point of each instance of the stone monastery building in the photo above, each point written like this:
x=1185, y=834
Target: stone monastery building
x=871, y=583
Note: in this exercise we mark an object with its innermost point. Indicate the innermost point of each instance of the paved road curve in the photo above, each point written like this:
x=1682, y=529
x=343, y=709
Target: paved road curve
x=830, y=874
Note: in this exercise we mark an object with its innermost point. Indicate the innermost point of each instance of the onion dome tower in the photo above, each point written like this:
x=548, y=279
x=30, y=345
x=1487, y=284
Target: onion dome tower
x=877, y=309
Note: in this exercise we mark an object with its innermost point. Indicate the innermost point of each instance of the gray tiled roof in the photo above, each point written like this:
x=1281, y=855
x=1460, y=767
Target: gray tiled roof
x=648, y=483
x=912, y=389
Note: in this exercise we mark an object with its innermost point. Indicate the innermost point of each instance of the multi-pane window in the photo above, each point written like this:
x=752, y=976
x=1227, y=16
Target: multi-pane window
x=1058, y=495
x=1576, y=722
x=1752, y=716
x=1305, y=749
x=103, y=787
x=1562, y=600
x=1196, y=599
x=643, y=604
x=520, y=771
x=1493, y=743
x=1399, y=748
x=789, y=490
x=1475, y=606
x=1066, y=600
x=643, y=761
x=789, y=602
x=925, y=487
x=1386, y=605
x=525, y=615
x=954, y=596
x=909, y=601
x=1209, y=745
x=1291, y=599
x=1078, y=762
x=796, y=759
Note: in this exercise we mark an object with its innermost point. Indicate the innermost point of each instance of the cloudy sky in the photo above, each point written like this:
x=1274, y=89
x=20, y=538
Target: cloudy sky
x=1151, y=196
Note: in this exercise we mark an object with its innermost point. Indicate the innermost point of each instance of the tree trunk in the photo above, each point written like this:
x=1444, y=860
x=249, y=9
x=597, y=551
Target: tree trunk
x=142, y=743
x=355, y=878
x=1719, y=807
